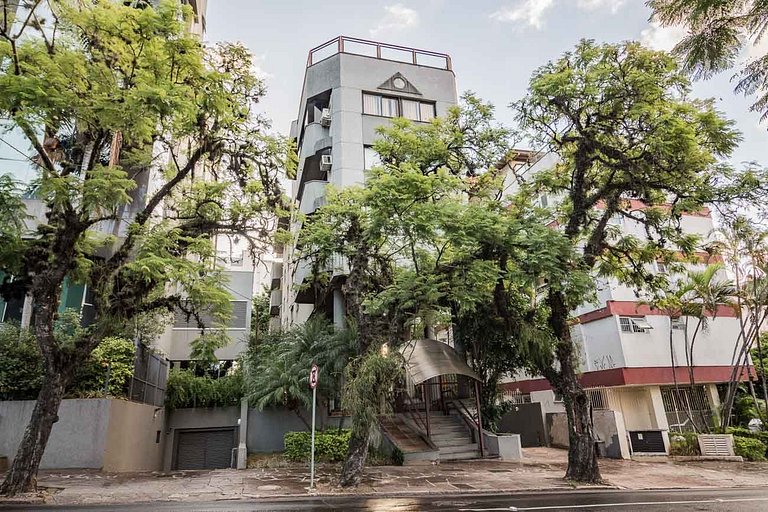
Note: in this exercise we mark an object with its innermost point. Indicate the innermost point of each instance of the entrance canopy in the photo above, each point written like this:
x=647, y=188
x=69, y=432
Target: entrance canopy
x=425, y=359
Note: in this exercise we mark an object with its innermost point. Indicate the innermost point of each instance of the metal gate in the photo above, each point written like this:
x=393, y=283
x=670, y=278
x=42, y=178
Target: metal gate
x=647, y=441
x=687, y=409
x=204, y=449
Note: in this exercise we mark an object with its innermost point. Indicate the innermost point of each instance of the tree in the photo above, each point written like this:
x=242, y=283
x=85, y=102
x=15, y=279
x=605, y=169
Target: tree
x=631, y=144
x=129, y=98
x=718, y=33
x=277, y=368
x=428, y=241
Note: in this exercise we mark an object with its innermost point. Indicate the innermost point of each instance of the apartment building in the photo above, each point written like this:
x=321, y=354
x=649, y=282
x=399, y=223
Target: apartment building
x=351, y=87
x=626, y=351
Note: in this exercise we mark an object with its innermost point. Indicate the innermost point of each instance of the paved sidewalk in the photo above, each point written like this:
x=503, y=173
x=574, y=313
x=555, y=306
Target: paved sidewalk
x=543, y=469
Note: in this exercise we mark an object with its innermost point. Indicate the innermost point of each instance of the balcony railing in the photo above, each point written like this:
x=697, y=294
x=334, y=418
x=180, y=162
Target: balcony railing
x=381, y=51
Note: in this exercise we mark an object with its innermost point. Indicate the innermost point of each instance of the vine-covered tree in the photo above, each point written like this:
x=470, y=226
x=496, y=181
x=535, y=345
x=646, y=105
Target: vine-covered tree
x=109, y=96
x=631, y=143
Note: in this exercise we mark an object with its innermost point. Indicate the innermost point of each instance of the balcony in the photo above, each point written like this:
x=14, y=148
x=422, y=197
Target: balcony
x=381, y=51
x=313, y=197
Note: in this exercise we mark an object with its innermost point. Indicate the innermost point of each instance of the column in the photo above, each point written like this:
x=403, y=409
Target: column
x=659, y=414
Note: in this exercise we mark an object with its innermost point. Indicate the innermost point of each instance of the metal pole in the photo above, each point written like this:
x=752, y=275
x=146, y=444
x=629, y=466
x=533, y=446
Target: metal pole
x=312, y=460
x=479, y=420
x=427, y=399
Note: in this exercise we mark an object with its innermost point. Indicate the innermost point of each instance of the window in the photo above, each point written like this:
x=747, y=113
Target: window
x=634, y=325
x=238, y=320
x=542, y=201
x=371, y=158
x=661, y=267
x=387, y=106
x=678, y=323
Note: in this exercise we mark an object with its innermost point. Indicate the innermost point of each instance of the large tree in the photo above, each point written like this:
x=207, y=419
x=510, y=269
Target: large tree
x=110, y=96
x=428, y=242
x=632, y=144
x=720, y=33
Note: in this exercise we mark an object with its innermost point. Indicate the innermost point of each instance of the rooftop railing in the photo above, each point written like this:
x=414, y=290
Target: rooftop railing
x=383, y=51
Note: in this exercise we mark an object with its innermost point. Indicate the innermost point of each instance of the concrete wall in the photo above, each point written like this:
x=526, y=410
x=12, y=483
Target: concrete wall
x=608, y=427
x=135, y=438
x=78, y=439
x=528, y=421
x=266, y=428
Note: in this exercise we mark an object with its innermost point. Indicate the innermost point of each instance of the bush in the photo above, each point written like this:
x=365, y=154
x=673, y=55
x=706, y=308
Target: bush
x=330, y=445
x=21, y=371
x=684, y=443
x=749, y=448
x=185, y=389
x=112, y=359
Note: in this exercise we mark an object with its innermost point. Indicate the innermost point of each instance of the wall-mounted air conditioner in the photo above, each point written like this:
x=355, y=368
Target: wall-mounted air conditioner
x=326, y=162
x=325, y=117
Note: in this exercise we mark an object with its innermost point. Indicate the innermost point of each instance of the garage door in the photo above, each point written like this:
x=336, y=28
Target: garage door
x=205, y=449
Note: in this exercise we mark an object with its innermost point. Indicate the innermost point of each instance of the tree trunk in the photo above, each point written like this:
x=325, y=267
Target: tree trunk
x=22, y=476
x=352, y=473
x=582, y=455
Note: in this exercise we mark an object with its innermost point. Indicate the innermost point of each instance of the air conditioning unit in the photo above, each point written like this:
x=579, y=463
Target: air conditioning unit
x=326, y=162
x=325, y=117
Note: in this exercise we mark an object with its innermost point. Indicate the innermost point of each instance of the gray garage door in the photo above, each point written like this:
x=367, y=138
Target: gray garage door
x=205, y=449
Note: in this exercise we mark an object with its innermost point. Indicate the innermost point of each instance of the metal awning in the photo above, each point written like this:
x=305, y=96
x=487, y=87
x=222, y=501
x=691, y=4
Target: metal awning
x=425, y=359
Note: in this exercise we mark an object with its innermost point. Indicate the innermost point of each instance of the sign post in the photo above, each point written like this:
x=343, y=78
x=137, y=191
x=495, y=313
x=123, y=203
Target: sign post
x=313, y=374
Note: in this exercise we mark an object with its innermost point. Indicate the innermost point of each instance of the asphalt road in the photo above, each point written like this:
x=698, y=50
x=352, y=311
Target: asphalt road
x=729, y=500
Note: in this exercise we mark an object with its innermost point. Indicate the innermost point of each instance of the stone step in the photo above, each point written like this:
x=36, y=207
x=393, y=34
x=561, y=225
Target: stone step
x=457, y=441
x=467, y=447
x=459, y=430
x=470, y=454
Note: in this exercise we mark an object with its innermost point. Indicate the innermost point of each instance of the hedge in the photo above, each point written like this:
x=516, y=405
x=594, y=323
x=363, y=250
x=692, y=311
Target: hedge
x=330, y=445
x=185, y=389
x=750, y=449
x=684, y=443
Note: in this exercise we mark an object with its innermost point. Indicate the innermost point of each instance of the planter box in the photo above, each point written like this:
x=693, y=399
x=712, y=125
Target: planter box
x=716, y=445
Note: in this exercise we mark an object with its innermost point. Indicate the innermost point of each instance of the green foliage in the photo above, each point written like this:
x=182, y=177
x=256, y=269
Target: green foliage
x=21, y=371
x=277, y=368
x=330, y=445
x=369, y=387
x=749, y=448
x=718, y=32
x=185, y=389
x=684, y=443
x=260, y=317
x=112, y=359
x=745, y=408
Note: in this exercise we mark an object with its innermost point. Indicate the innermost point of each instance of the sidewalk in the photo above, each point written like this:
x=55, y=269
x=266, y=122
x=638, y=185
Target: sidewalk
x=543, y=469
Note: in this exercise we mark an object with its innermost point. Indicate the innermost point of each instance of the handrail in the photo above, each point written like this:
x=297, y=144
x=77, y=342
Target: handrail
x=415, y=52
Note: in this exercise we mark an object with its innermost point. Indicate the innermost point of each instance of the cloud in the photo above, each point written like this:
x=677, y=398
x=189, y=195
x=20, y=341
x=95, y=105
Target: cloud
x=257, y=66
x=597, y=5
x=396, y=18
x=530, y=12
x=662, y=38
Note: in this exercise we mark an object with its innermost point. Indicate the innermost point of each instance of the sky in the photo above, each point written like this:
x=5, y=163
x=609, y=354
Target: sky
x=495, y=45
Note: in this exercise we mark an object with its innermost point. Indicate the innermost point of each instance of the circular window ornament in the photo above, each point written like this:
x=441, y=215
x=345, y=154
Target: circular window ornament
x=399, y=83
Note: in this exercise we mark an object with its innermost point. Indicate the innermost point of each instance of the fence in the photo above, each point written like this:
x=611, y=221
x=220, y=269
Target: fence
x=377, y=50
x=150, y=375
x=687, y=409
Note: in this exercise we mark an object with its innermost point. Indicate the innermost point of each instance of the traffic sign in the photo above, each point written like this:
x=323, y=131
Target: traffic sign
x=313, y=374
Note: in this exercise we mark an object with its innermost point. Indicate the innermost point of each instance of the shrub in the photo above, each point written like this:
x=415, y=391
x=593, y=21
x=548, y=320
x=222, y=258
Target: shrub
x=113, y=359
x=749, y=448
x=185, y=389
x=684, y=443
x=21, y=371
x=330, y=445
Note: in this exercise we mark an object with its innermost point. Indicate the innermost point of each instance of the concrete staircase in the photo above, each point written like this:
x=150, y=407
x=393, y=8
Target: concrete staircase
x=452, y=437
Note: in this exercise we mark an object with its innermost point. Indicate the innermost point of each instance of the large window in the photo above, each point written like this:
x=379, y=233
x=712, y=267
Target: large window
x=388, y=106
x=237, y=321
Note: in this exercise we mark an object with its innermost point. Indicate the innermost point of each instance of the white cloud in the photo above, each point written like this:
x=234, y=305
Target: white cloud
x=530, y=12
x=257, y=66
x=396, y=18
x=596, y=5
x=662, y=38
